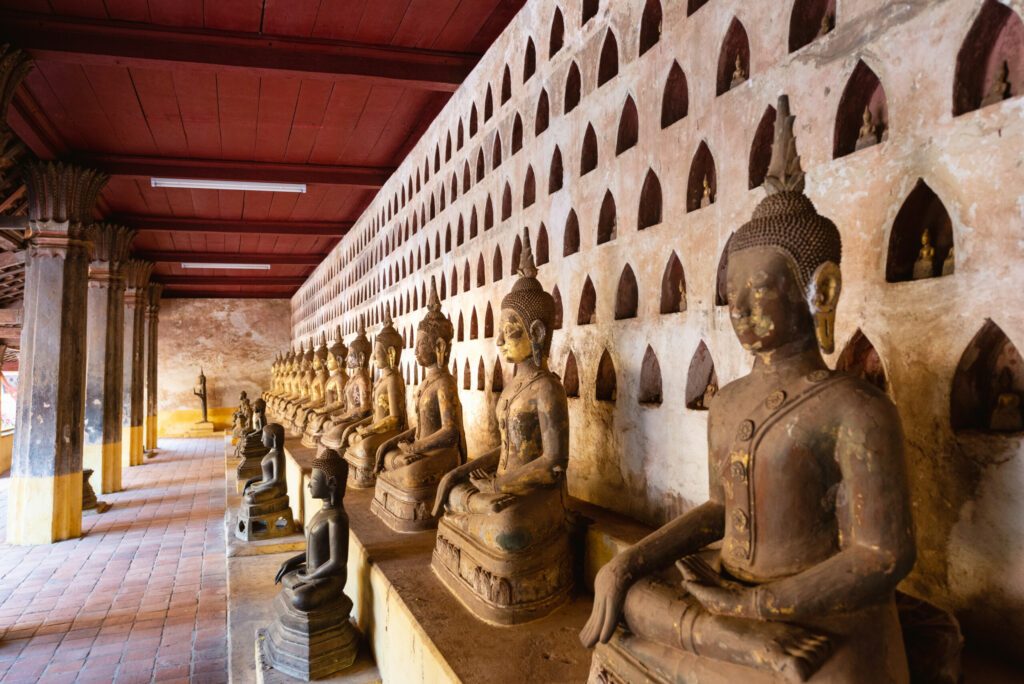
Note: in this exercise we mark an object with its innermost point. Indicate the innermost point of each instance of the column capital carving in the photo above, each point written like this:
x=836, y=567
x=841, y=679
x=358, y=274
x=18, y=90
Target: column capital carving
x=136, y=275
x=111, y=243
x=153, y=297
x=61, y=199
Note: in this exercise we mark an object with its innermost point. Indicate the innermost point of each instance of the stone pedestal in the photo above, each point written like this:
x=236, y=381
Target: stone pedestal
x=309, y=646
x=201, y=429
x=135, y=302
x=265, y=520
x=404, y=510
x=45, y=500
x=89, y=500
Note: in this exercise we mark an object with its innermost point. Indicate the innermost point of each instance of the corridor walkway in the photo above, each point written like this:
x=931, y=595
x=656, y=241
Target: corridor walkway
x=140, y=597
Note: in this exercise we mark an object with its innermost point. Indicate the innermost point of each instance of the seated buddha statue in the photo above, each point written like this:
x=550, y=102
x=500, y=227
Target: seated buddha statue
x=503, y=541
x=412, y=462
x=949, y=263
x=334, y=392
x=868, y=133
x=307, y=376
x=808, y=492
x=311, y=608
x=293, y=384
x=264, y=512
x=388, y=402
x=241, y=419
x=250, y=446
x=358, y=396
x=739, y=73
x=278, y=373
x=1006, y=414
x=924, y=266
x=317, y=388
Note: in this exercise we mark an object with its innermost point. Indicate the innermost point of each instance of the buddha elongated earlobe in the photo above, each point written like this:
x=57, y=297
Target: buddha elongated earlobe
x=822, y=297
x=440, y=349
x=538, y=334
x=392, y=354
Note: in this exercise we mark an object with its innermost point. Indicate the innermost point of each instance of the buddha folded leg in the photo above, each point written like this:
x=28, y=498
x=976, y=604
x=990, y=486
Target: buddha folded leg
x=508, y=561
x=336, y=433
x=407, y=486
x=308, y=594
x=315, y=429
x=361, y=456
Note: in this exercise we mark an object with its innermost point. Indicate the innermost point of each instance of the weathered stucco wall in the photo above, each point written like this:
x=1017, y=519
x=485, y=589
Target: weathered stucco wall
x=231, y=339
x=649, y=459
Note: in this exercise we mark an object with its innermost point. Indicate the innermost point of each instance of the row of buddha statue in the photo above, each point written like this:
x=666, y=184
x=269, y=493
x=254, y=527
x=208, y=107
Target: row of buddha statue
x=787, y=572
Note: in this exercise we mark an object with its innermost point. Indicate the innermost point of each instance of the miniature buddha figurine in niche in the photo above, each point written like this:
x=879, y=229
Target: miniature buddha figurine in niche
x=503, y=542
x=264, y=512
x=334, y=392
x=358, y=395
x=1000, y=89
x=388, y=403
x=241, y=419
x=739, y=74
x=1006, y=414
x=826, y=24
x=250, y=446
x=317, y=388
x=949, y=263
x=706, y=200
x=924, y=267
x=808, y=492
x=868, y=133
x=412, y=463
x=312, y=636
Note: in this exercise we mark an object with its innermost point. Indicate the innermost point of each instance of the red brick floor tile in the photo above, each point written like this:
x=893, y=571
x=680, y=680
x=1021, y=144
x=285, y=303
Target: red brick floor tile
x=140, y=597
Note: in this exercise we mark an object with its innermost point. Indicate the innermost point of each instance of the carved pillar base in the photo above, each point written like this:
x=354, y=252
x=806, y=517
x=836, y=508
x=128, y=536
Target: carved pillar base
x=43, y=510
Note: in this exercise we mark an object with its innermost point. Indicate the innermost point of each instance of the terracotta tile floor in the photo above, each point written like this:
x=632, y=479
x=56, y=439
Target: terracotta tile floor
x=140, y=597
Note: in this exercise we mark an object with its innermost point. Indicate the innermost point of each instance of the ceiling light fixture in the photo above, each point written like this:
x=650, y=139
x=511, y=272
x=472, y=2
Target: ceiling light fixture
x=240, y=267
x=199, y=184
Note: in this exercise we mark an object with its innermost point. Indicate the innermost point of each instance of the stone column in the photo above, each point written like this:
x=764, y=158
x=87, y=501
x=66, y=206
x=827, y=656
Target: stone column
x=105, y=365
x=152, y=325
x=45, y=500
x=133, y=415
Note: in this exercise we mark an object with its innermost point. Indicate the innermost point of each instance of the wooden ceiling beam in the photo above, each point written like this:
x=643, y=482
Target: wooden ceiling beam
x=230, y=258
x=89, y=41
x=229, y=281
x=201, y=225
x=363, y=177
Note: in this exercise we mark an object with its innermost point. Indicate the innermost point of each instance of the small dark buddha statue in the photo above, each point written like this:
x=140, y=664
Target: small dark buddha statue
x=503, y=542
x=413, y=462
x=241, y=419
x=264, y=512
x=358, y=395
x=388, y=402
x=808, y=492
x=334, y=392
x=312, y=636
x=250, y=446
x=200, y=391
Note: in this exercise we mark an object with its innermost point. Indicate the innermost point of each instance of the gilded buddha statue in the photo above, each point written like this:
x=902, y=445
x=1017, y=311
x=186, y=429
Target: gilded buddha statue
x=250, y=446
x=358, y=395
x=868, y=133
x=924, y=266
x=334, y=392
x=412, y=462
x=317, y=395
x=503, y=541
x=739, y=72
x=264, y=512
x=808, y=492
x=311, y=636
x=388, y=401
x=306, y=379
x=294, y=383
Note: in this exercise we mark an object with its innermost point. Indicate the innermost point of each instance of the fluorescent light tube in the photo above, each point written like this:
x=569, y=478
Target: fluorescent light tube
x=198, y=184
x=240, y=267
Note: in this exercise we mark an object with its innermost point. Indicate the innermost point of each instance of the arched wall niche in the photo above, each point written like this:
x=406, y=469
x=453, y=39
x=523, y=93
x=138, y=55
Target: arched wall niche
x=909, y=258
x=675, y=98
x=540, y=122
x=990, y=64
x=588, y=152
x=571, y=235
x=761, y=148
x=608, y=63
x=481, y=376
x=673, y=287
x=529, y=60
x=496, y=265
x=556, y=172
x=650, y=379
x=488, y=104
x=488, y=215
x=517, y=253
x=809, y=20
x=607, y=221
x=557, y=34
x=461, y=329
x=529, y=188
x=481, y=277
x=627, y=295
x=988, y=387
x=606, y=384
x=572, y=89
x=474, y=326
x=473, y=126
x=497, y=377
x=702, y=186
x=467, y=376
x=587, y=313
x=694, y=5
x=650, y=26
x=859, y=357
x=649, y=212
x=571, y=377
x=495, y=151
x=506, y=202
x=589, y=10
x=733, y=58
x=629, y=127
x=557, y=296
x=517, y=135
x=489, y=322
x=540, y=249
x=701, y=379
x=863, y=117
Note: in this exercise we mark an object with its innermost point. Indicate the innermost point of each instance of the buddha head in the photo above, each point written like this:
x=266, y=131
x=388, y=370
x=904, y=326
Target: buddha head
x=259, y=406
x=387, y=346
x=336, y=353
x=527, y=314
x=783, y=277
x=329, y=477
x=243, y=396
x=273, y=436
x=359, y=350
x=434, y=333
x=320, y=356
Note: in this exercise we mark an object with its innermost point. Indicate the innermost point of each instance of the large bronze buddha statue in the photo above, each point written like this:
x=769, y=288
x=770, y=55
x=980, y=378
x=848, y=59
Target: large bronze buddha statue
x=413, y=462
x=503, y=542
x=312, y=636
x=358, y=396
x=388, y=403
x=334, y=392
x=264, y=512
x=808, y=492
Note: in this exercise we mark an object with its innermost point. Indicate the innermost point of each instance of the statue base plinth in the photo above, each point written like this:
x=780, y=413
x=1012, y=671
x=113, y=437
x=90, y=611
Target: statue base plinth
x=202, y=429
x=308, y=646
x=360, y=477
x=404, y=510
x=503, y=588
x=266, y=520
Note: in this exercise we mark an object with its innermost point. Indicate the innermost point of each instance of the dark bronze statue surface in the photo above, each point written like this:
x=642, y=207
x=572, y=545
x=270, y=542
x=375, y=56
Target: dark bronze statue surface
x=503, y=542
x=200, y=391
x=412, y=462
x=264, y=511
x=311, y=636
x=808, y=492
x=250, y=445
x=241, y=419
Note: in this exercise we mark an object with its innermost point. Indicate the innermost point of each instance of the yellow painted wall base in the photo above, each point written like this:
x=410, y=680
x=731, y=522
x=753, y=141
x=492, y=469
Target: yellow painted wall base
x=43, y=510
x=131, y=445
x=178, y=423
x=6, y=447
x=151, y=433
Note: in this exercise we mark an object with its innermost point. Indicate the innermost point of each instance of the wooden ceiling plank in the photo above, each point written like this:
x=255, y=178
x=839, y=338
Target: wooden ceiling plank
x=128, y=10
x=155, y=91
x=212, y=225
x=231, y=258
x=344, y=108
x=278, y=98
x=424, y=20
x=196, y=93
x=232, y=15
x=176, y=12
x=239, y=106
x=116, y=96
x=310, y=108
x=290, y=17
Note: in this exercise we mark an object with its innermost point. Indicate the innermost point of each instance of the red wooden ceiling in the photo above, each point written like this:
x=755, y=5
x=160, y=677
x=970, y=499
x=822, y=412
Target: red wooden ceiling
x=111, y=97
